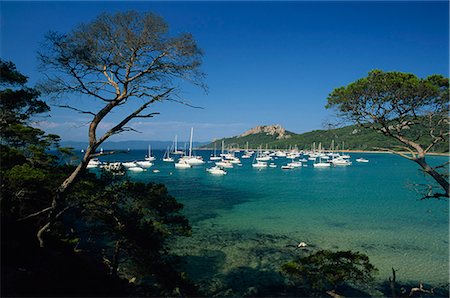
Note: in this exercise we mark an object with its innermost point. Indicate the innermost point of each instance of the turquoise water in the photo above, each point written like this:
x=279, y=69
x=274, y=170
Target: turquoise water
x=369, y=207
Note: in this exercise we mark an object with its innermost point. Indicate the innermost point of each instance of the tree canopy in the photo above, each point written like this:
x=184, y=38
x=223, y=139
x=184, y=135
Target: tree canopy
x=122, y=59
x=403, y=107
x=324, y=270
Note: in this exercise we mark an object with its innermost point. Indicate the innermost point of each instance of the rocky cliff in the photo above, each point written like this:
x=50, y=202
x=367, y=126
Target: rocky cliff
x=270, y=130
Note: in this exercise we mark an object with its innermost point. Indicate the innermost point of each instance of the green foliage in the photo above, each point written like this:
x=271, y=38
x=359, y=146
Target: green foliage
x=137, y=214
x=109, y=230
x=399, y=105
x=391, y=94
x=17, y=104
x=405, y=108
x=325, y=270
x=9, y=74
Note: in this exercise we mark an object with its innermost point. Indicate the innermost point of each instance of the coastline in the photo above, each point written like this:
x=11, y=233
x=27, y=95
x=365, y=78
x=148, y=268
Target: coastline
x=349, y=151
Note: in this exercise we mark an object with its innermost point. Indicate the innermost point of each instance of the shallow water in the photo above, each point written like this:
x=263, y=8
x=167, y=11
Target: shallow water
x=368, y=207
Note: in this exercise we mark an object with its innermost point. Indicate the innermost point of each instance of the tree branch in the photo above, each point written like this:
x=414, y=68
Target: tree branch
x=83, y=86
x=413, y=154
x=120, y=125
x=150, y=115
x=442, y=165
x=395, y=152
x=75, y=109
x=148, y=69
x=437, y=139
x=111, y=81
x=36, y=213
x=105, y=153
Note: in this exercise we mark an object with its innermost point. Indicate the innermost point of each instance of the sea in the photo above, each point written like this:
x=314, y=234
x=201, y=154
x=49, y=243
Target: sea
x=247, y=223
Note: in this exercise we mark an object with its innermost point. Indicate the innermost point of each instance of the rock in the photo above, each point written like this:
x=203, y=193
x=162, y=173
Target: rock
x=226, y=293
x=251, y=292
x=270, y=130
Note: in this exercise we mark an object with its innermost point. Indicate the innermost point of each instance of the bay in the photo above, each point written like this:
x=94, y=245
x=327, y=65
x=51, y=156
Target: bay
x=250, y=220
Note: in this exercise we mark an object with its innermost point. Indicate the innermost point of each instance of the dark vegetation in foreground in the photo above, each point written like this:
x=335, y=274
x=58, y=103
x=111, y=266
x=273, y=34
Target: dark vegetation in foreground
x=109, y=240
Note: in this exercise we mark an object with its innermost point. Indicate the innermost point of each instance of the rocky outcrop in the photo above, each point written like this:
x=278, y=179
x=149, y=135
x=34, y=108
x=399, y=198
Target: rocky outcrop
x=270, y=130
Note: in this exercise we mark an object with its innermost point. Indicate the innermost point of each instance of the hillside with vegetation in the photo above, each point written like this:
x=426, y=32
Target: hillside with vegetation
x=351, y=137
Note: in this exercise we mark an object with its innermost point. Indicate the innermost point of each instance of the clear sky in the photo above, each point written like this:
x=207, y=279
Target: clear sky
x=266, y=62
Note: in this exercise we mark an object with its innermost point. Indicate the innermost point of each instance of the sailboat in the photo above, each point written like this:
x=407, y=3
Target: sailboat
x=259, y=163
x=215, y=157
x=321, y=164
x=247, y=154
x=182, y=164
x=216, y=171
x=144, y=163
x=190, y=159
x=344, y=155
x=149, y=155
x=362, y=160
x=167, y=157
x=175, y=149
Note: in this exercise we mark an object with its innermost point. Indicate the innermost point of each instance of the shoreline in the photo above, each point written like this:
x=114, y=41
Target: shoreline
x=349, y=151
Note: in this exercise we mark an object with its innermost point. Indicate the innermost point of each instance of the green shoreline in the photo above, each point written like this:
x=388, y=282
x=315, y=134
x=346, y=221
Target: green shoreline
x=349, y=151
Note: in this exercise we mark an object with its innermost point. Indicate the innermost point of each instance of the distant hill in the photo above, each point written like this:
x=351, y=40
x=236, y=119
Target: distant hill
x=133, y=145
x=276, y=137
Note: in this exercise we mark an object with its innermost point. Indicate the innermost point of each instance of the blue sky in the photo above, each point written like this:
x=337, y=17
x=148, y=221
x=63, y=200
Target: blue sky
x=266, y=62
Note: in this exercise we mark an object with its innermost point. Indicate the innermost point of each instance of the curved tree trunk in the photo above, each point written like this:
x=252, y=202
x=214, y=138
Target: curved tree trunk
x=434, y=174
x=61, y=193
x=420, y=160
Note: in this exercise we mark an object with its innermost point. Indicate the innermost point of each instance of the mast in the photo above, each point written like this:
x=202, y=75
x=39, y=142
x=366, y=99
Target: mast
x=176, y=140
x=190, y=142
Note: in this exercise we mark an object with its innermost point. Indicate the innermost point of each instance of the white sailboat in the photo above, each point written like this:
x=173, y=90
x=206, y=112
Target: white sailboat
x=344, y=155
x=259, y=163
x=321, y=164
x=247, y=153
x=136, y=169
x=167, y=157
x=93, y=163
x=190, y=159
x=129, y=164
x=144, y=163
x=287, y=167
x=339, y=161
x=216, y=171
x=175, y=149
x=362, y=160
x=262, y=156
x=149, y=154
x=182, y=164
x=215, y=157
x=224, y=164
x=295, y=164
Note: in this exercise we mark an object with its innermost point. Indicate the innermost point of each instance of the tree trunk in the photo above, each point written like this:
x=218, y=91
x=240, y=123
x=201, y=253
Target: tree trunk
x=61, y=192
x=420, y=159
x=115, y=259
x=434, y=174
x=392, y=283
